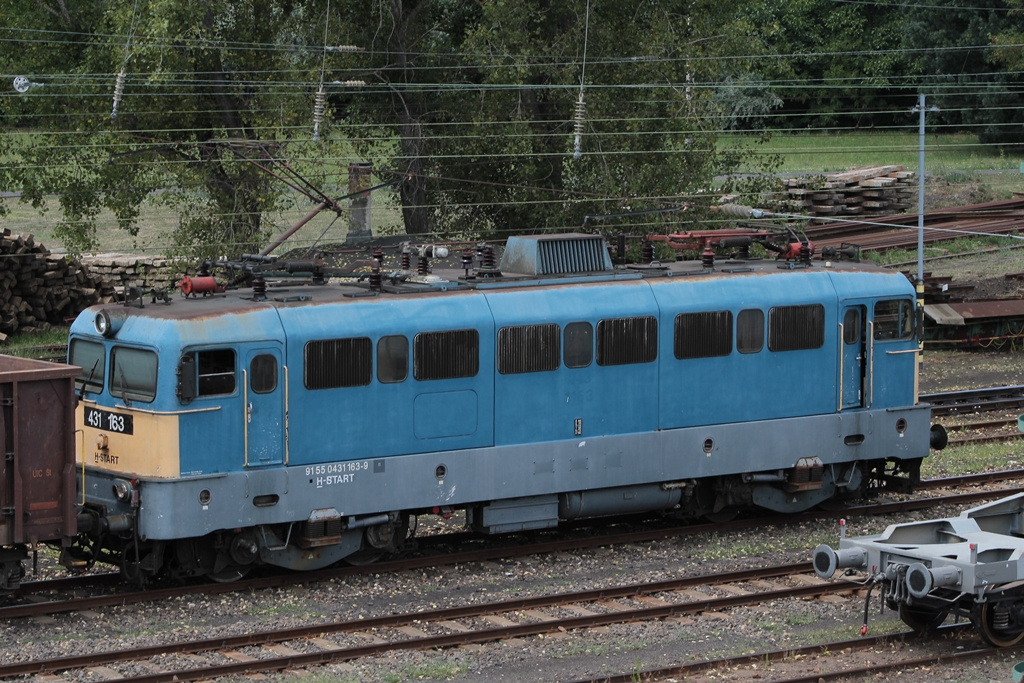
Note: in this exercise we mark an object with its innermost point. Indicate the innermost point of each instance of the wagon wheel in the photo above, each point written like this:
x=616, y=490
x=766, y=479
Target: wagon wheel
x=921, y=620
x=993, y=624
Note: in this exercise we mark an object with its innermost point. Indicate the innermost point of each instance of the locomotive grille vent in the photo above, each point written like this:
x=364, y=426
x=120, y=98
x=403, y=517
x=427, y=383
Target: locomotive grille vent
x=331, y=363
x=793, y=328
x=623, y=341
x=555, y=255
x=446, y=355
x=528, y=348
x=706, y=334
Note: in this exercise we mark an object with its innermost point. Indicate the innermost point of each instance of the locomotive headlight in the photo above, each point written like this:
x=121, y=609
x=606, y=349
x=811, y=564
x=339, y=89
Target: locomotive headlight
x=122, y=490
x=107, y=322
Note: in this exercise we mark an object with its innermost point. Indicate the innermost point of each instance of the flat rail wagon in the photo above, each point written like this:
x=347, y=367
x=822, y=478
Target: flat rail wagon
x=971, y=566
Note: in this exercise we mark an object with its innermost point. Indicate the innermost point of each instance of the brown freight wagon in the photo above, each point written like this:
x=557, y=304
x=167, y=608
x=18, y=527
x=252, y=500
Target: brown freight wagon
x=37, y=470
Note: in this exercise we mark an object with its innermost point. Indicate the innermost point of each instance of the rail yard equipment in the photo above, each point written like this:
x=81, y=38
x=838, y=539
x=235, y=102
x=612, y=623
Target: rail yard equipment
x=969, y=566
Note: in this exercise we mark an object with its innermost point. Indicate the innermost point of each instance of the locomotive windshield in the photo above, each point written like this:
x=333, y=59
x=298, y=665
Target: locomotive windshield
x=91, y=357
x=133, y=374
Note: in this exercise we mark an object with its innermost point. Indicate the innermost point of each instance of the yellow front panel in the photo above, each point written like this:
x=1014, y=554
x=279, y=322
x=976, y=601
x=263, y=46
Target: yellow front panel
x=150, y=450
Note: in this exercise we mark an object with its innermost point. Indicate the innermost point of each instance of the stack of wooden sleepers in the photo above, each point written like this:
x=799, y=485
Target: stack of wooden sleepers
x=867, y=191
x=39, y=289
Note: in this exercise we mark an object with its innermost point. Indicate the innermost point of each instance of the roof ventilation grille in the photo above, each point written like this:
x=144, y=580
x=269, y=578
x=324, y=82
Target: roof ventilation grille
x=555, y=255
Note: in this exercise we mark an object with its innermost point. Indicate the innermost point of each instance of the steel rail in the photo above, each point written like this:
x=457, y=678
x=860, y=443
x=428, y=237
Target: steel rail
x=974, y=400
x=811, y=652
x=447, y=614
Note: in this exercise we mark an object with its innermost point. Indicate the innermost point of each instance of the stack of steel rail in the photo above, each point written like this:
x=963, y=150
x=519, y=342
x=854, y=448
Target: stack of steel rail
x=900, y=231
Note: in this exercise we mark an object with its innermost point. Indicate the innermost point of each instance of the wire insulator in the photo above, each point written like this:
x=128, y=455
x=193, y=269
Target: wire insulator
x=805, y=253
x=707, y=257
x=376, y=281
x=319, y=105
x=118, y=92
x=259, y=286
x=490, y=259
x=581, y=110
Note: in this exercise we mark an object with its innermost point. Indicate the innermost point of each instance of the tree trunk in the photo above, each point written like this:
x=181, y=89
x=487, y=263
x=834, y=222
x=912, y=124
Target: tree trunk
x=413, y=190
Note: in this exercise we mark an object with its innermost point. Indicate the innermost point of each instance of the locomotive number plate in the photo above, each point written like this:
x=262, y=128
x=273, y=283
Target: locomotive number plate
x=112, y=422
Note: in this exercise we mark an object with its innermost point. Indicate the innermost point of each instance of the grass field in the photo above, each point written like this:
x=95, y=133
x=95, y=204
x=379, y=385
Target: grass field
x=958, y=169
x=158, y=222
x=824, y=152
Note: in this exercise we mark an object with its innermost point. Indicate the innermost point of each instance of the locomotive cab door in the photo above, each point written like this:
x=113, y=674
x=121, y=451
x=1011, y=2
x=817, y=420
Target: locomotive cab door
x=265, y=395
x=854, y=362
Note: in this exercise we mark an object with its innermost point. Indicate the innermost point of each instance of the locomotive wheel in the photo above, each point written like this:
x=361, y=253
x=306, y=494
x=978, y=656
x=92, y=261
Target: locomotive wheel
x=131, y=568
x=921, y=620
x=724, y=515
x=987, y=619
x=363, y=557
x=229, y=574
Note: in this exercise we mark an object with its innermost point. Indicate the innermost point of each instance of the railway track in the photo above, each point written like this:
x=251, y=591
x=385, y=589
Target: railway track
x=987, y=431
x=975, y=400
x=822, y=662
x=290, y=648
x=500, y=621
x=899, y=231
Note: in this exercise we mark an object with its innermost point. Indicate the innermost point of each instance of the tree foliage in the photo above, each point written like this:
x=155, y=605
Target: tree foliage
x=833, y=63
x=207, y=88
x=976, y=89
x=493, y=92
x=492, y=117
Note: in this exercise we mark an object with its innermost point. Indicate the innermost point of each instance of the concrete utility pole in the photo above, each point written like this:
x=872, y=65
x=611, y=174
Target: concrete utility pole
x=921, y=109
x=359, y=204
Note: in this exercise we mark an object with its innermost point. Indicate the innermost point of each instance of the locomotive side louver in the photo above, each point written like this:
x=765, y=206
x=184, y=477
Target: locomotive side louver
x=555, y=255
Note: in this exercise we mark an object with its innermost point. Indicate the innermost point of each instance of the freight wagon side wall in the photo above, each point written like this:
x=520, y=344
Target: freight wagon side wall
x=37, y=480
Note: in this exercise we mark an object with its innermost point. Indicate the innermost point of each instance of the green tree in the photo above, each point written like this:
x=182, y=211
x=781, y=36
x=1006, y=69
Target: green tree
x=475, y=107
x=974, y=85
x=207, y=88
x=492, y=94
x=831, y=63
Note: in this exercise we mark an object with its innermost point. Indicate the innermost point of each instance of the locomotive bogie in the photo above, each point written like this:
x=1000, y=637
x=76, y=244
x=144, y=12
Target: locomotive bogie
x=316, y=424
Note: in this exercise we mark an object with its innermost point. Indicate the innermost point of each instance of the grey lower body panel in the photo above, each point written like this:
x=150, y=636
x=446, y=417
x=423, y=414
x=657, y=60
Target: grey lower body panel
x=177, y=508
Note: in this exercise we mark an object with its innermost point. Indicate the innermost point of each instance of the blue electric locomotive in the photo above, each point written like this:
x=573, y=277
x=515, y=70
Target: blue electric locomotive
x=304, y=424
